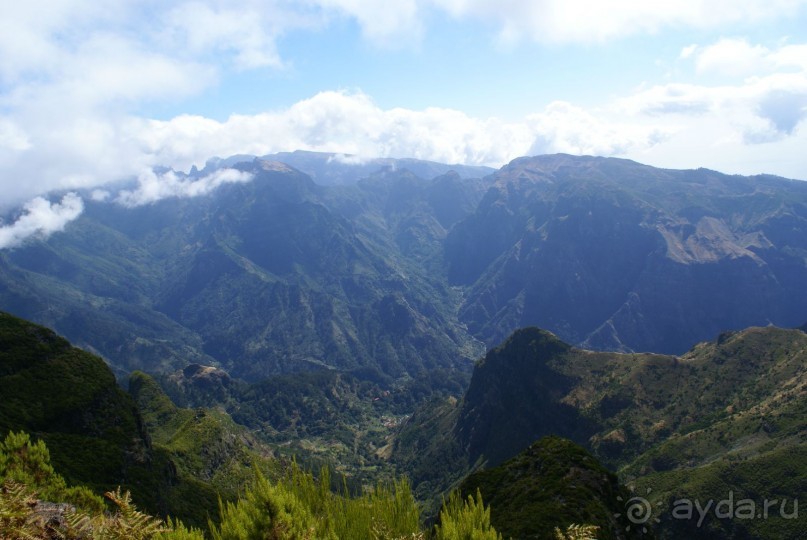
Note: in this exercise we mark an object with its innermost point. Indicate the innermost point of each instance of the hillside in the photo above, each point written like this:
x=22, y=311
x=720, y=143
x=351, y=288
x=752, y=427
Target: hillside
x=722, y=410
x=69, y=399
x=175, y=461
x=550, y=484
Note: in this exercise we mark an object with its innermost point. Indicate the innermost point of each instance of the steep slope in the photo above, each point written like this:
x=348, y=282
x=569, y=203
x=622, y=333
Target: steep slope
x=175, y=461
x=732, y=494
x=212, y=456
x=69, y=399
x=258, y=278
x=403, y=273
x=739, y=398
x=614, y=255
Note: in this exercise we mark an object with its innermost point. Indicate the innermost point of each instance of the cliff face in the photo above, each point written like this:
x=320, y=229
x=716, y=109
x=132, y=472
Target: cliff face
x=614, y=255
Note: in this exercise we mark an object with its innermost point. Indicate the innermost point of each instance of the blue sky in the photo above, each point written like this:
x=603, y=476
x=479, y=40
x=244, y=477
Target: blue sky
x=94, y=92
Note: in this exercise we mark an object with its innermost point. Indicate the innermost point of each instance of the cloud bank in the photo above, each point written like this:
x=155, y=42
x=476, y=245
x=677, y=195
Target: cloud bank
x=153, y=187
x=76, y=76
x=40, y=218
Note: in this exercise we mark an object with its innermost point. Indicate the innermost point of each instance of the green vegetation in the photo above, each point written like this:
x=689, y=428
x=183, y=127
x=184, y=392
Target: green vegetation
x=321, y=418
x=469, y=519
x=173, y=461
x=295, y=507
x=776, y=475
x=610, y=254
x=577, y=532
x=69, y=399
x=730, y=405
x=273, y=276
x=23, y=516
x=212, y=456
x=27, y=463
x=549, y=485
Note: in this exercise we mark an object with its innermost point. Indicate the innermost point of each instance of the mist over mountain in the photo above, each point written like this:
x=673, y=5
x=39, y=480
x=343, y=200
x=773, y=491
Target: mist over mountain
x=338, y=312
x=259, y=277
x=329, y=169
x=403, y=273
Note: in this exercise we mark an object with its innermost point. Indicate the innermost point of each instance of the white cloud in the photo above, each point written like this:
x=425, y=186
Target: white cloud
x=565, y=128
x=587, y=21
x=688, y=51
x=752, y=122
x=764, y=93
x=41, y=218
x=350, y=123
x=733, y=57
x=12, y=137
x=153, y=187
x=248, y=33
x=75, y=76
x=398, y=23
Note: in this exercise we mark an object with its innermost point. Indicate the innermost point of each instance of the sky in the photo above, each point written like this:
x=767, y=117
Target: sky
x=92, y=93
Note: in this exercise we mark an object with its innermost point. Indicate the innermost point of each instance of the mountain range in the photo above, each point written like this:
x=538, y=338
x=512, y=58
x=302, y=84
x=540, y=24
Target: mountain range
x=399, y=274
x=399, y=317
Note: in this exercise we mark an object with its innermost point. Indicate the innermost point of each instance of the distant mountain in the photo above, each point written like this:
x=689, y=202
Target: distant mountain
x=403, y=273
x=329, y=169
x=322, y=316
x=614, y=255
x=721, y=410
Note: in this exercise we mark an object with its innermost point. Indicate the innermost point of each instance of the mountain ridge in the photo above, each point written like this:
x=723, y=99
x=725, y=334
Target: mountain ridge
x=661, y=421
x=407, y=274
x=610, y=254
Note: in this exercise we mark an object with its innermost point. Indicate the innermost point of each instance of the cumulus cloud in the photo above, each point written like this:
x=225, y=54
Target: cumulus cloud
x=733, y=57
x=351, y=123
x=244, y=31
x=76, y=76
x=41, y=218
x=562, y=127
x=727, y=116
x=763, y=92
x=153, y=187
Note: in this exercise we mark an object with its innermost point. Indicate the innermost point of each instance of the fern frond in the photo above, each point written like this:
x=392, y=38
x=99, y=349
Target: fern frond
x=128, y=523
x=17, y=519
x=577, y=532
